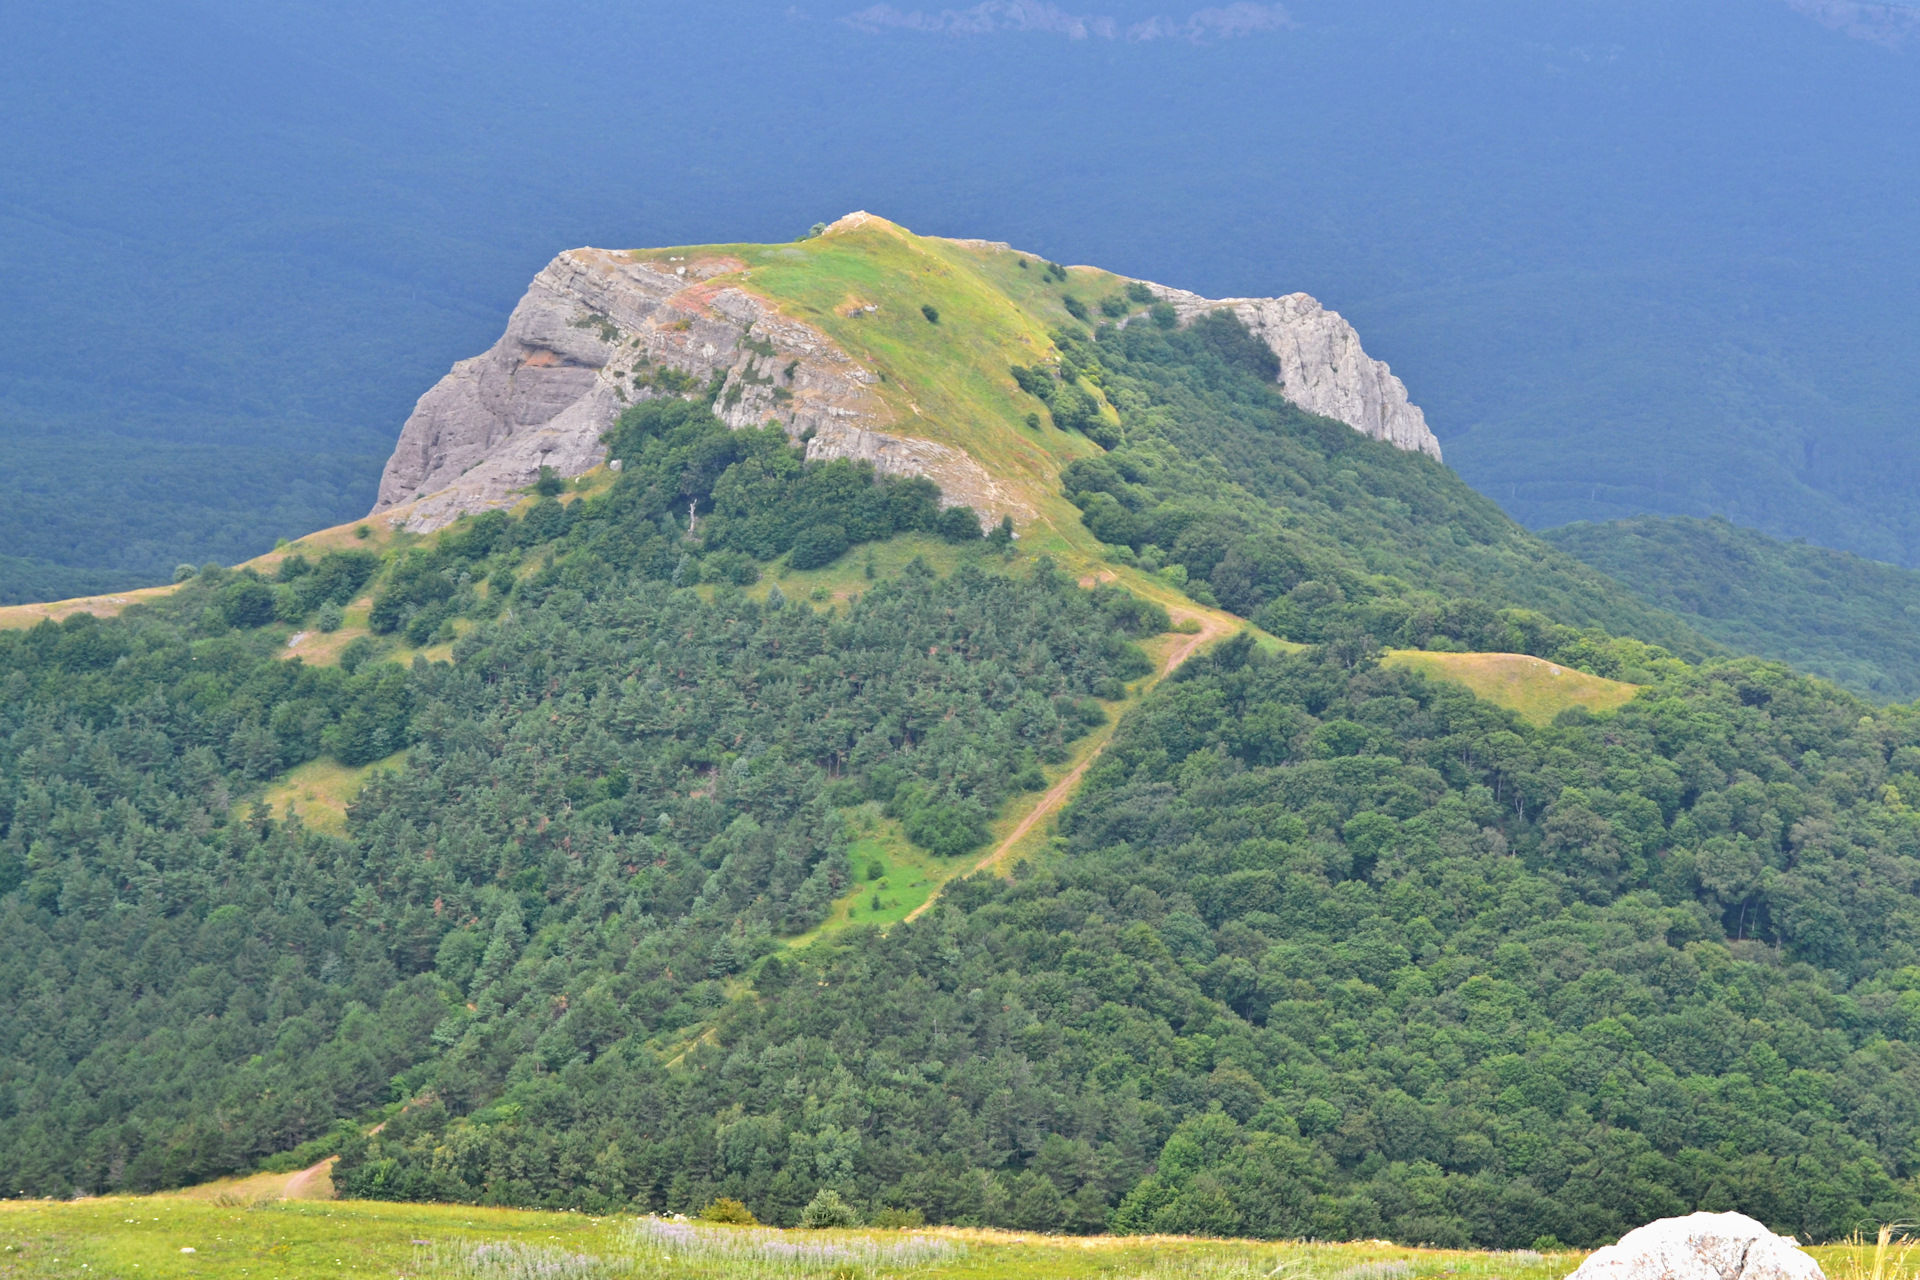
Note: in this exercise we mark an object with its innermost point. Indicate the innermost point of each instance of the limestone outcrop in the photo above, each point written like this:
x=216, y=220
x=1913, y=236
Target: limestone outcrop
x=1701, y=1246
x=598, y=330
x=1323, y=368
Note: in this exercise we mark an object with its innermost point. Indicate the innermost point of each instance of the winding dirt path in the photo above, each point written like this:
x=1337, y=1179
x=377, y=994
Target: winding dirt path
x=313, y=1183
x=1212, y=627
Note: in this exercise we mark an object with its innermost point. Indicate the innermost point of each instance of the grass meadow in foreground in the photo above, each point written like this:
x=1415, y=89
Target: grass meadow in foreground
x=140, y=1238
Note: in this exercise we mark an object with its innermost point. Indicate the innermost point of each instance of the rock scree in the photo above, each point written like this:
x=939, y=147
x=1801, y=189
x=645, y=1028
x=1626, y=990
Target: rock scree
x=1701, y=1246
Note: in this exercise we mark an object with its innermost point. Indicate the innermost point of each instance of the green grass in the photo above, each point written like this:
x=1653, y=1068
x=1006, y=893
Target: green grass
x=320, y=790
x=946, y=382
x=909, y=875
x=126, y=1238
x=138, y=1237
x=131, y=1238
x=1539, y=690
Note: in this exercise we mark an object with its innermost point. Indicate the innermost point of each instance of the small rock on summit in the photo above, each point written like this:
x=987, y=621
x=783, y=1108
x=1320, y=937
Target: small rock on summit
x=1701, y=1246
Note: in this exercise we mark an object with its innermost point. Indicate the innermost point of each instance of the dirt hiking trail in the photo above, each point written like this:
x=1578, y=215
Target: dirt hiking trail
x=1212, y=627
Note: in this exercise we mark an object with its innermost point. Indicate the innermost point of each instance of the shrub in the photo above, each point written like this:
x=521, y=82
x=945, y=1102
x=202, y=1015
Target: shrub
x=549, y=483
x=331, y=617
x=287, y=605
x=730, y=566
x=1164, y=315
x=959, y=524
x=1033, y=422
x=931, y=312
x=338, y=577
x=900, y=1218
x=1036, y=382
x=421, y=627
x=415, y=586
x=948, y=830
x=1139, y=292
x=246, y=602
x=827, y=1209
x=1075, y=308
x=1113, y=305
x=359, y=651
x=183, y=572
x=727, y=1209
x=818, y=546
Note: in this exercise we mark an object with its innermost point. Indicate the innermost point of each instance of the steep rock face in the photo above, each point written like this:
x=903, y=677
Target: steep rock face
x=599, y=330
x=1322, y=366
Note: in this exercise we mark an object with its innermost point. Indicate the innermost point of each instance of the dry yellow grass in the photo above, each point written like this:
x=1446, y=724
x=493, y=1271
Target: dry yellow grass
x=1539, y=690
x=227, y=1235
x=315, y=1183
x=320, y=790
x=104, y=606
x=381, y=534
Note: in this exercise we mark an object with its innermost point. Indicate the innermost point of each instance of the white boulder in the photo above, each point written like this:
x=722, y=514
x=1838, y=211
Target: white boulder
x=1701, y=1246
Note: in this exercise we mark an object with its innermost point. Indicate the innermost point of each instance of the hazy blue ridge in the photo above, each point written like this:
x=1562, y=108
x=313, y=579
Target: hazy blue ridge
x=1833, y=614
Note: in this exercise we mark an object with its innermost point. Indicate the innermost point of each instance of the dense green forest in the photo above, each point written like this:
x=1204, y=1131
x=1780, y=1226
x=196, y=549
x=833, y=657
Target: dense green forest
x=1832, y=613
x=1322, y=948
x=101, y=512
x=1331, y=951
x=1299, y=522
x=625, y=777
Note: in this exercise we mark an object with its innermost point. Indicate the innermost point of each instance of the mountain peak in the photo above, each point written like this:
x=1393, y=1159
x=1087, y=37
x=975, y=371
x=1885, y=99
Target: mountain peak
x=866, y=341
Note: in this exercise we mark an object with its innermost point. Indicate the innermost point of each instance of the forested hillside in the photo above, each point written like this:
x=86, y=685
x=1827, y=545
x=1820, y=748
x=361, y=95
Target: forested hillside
x=627, y=782
x=1324, y=948
x=1313, y=531
x=1332, y=951
x=1832, y=613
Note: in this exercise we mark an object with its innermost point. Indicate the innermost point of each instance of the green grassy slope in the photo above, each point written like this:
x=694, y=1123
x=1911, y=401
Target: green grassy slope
x=1835, y=614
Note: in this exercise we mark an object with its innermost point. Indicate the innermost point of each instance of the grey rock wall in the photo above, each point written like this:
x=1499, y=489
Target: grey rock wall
x=597, y=331
x=1323, y=368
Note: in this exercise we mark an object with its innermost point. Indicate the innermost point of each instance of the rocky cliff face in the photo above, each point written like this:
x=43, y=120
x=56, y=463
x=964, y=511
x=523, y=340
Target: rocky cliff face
x=599, y=330
x=1322, y=366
